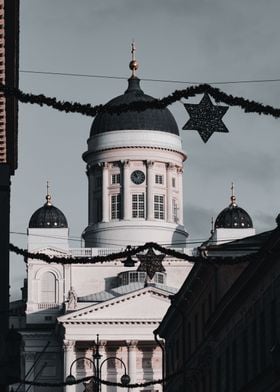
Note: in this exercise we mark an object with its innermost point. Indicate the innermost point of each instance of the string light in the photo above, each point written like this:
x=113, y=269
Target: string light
x=86, y=109
x=203, y=258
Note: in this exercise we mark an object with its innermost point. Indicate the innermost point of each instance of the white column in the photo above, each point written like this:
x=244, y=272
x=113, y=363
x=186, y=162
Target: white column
x=169, y=172
x=69, y=357
x=150, y=186
x=126, y=192
x=180, y=199
x=132, y=354
x=90, y=193
x=105, y=195
x=104, y=372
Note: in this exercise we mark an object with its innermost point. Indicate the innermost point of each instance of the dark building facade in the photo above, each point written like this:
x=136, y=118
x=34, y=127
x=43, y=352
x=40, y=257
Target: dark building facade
x=222, y=329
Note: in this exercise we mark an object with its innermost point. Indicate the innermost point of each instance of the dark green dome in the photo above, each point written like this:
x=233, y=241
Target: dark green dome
x=149, y=119
x=48, y=217
x=233, y=217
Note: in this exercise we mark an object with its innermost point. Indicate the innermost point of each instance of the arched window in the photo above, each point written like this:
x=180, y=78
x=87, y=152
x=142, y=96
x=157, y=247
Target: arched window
x=48, y=288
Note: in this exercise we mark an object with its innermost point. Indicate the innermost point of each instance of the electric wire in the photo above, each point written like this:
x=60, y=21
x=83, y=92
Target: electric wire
x=72, y=74
x=78, y=239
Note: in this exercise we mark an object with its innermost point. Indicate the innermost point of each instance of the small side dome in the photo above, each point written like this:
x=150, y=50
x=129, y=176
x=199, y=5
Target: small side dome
x=233, y=217
x=48, y=217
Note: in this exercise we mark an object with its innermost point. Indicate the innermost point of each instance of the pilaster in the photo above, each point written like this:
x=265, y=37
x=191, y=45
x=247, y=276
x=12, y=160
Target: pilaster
x=69, y=357
x=105, y=193
x=150, y=185
x=126, y=191
x=132, y=354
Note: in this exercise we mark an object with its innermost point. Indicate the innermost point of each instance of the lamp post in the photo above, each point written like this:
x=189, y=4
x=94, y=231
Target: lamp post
x=97, y=368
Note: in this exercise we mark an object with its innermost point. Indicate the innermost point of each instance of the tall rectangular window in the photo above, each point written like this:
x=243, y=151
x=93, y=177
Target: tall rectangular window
x=174, y=210
x=116, y=206
x=173, y=182
x=138, y=205
x=159, y=179
x=159, y=206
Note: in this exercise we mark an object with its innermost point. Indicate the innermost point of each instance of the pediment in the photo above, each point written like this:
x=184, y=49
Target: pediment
x=51, y=251
x=146, y=304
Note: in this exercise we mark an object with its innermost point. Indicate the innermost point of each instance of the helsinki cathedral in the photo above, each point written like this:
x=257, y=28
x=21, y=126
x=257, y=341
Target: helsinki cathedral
x=98, y=319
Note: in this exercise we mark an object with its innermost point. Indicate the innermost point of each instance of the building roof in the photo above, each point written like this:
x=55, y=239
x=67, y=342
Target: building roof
x=122, y=290
x=48, y=217
x=149, y=119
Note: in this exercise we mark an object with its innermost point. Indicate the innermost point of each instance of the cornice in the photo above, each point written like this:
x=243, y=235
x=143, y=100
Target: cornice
x=111, y=322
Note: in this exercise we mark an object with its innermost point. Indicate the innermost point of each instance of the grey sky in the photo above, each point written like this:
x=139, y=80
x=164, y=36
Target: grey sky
x=199, y=40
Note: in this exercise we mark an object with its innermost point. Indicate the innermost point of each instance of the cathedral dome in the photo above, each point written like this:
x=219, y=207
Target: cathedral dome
x=149, y=119
x=48, y=217
x=233, y=217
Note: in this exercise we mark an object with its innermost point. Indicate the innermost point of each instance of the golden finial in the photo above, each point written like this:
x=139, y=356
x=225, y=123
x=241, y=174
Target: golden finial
x=233, y=197
x=133, y=65
x=212, y=225
x=48, y=197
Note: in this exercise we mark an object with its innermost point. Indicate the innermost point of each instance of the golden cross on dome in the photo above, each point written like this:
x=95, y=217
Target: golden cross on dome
x=212, y=225
x=233, y=197
x=48, y=197
x=133, y=65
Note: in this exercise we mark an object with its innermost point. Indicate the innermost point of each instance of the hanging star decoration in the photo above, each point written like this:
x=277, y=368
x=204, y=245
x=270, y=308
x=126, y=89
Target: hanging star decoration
x=205, y=118
x=151, y=263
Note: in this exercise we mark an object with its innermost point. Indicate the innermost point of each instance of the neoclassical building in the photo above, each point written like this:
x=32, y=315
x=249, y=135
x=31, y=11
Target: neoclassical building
x=134, y=166
x=99, y=319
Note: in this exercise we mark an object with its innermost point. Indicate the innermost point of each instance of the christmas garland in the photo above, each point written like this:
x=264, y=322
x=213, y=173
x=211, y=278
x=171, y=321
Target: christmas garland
x=203, y=258
x=92, y=111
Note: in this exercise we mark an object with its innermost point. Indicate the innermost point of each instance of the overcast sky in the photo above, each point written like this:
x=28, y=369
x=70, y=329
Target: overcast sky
x=185, y=40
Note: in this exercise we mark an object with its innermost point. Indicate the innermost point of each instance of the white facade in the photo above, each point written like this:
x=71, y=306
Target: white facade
x=135, y=196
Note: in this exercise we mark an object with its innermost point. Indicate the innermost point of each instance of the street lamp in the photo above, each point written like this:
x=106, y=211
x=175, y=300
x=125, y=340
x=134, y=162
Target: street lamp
x=97, y=367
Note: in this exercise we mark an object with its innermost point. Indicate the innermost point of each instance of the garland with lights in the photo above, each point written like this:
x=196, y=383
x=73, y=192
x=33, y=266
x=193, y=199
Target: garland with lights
x=105, y=382
x=203, y=258
x=248, y=106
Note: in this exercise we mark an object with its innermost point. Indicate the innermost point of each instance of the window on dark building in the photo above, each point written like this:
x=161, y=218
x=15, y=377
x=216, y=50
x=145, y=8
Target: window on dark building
x=196, y=329
x=202, y=318
x=245, y=356
x=210, y=380
x=254, y=347
x=262, y=340
x=227, y=367
x=233, y=366
x=273, y=322
x=218, y=375
x=189, y=338
x=209, y=304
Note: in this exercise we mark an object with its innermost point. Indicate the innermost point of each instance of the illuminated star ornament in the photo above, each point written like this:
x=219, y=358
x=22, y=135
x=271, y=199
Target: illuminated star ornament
x=151, y=263
x=205, y=118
